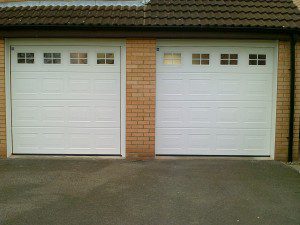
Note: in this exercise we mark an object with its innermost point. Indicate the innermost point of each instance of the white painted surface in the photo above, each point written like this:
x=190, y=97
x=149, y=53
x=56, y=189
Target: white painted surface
x=215, y=109
x=64, y=108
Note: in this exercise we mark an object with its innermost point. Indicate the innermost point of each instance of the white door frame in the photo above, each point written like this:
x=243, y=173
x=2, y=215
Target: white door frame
x=59, y=41
x=237, y=43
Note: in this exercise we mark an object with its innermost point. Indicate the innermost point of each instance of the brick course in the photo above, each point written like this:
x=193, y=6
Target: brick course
x=140, y=98
x=2, y=103
x=283, y=102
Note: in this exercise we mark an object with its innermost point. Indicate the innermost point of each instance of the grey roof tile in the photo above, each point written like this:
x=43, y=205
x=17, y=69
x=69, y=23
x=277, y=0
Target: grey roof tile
x=163, y=13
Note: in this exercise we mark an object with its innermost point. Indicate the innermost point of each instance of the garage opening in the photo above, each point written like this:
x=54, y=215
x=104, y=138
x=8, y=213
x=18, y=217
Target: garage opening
x=215, y=100
x=65, y=100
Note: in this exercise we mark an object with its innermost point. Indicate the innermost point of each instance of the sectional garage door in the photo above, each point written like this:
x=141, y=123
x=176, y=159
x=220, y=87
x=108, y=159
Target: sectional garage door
x=65, y=100
x=215, y=100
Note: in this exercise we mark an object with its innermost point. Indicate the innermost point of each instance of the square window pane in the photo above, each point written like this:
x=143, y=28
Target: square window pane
x=110, y=61
x=48, y=61
x=56, y=55
x=73, y=55
x=233, y=56
x=224, y=62
x=82, y=61
x=29, y=61
x=252, y=56
x=74, y=61
x=252, y=62
x=177, y=55
x=205, y=62
x=100, y=61
x=47, y=55
x=168, y=55
x=233, y=62
x=261, y=62
x=21, y=55
x=100, y=55
x=176, y=61
x=29, y=55
x=196, y=62
x=262, y=56
x=205, y=56
x=56, y=61
x=110, y=55
x=21, y=60
x=196, y=56
x=82, y=55
x=168, y=61
x=224, y=56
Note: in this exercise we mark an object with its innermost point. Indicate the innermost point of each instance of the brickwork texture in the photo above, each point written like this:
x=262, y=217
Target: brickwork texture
x=2, y=103
x=140, y=98
x=283, y=103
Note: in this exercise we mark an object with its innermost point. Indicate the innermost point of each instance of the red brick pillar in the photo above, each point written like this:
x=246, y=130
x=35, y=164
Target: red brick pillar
x=140, y=98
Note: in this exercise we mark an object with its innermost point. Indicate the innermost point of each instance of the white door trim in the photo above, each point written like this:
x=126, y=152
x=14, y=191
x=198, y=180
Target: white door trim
x=237, y=43
x=80, y=42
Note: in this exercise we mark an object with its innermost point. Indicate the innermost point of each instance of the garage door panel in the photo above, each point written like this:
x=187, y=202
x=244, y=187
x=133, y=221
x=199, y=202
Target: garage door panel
x=58, y=85
x=64, y=65
x=171, y=88
x=185, y=114
x=171, y=115
x=214, y=65
x=228, y=87
x=206, y=114
x=199, y=85
x=50, y=140
x=66, y=108
x=214, y=87
x=259, y=86
x=246, y=114
x=66, y=113
x=214, y=108
x=214, y=141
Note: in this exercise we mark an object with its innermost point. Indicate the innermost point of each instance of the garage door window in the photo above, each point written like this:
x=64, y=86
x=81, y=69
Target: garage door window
x=200, y=59
x=257, y=59
x=229, y=59
x=52, y=58
x=78, y=58
x=25, y=58
x=105, y=58
x=172, y=58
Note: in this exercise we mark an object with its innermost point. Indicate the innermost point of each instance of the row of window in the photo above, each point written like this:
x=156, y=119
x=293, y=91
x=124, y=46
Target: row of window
x=75, y=58
x=169, y=58
x=225, y=59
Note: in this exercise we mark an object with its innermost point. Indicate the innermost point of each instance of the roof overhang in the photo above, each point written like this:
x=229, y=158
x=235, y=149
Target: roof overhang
x=75, y=3
x=146, y=32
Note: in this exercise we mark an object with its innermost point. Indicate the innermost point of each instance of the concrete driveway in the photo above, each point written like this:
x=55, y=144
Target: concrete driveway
x=163, y=192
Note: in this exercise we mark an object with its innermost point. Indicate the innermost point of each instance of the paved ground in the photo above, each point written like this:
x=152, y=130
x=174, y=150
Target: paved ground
x=162, y=192
x=295, y=165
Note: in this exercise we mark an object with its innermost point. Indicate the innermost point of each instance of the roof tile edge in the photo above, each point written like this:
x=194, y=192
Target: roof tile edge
x=76, y=3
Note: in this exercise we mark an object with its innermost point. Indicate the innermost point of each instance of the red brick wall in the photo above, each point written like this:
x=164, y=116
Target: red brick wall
x=140, y=99
x=283, y=102
x=2, y=103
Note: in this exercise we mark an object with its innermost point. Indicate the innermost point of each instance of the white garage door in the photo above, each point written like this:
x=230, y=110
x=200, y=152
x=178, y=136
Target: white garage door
x=214, y=100
x=65, y=100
